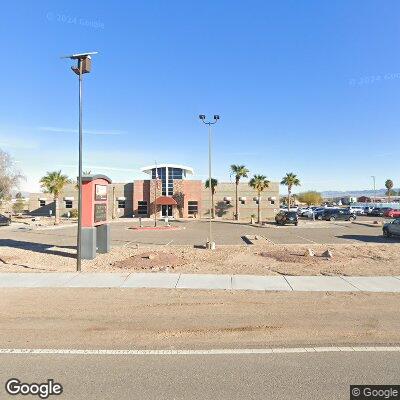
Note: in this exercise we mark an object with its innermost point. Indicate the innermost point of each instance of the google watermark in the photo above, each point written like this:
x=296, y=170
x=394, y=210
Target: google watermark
x=53, y=16
x=44, y=390
x=370, y=392
x=368, y=80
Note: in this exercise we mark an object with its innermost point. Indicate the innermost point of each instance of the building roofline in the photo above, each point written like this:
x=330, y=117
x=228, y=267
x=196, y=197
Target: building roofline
x=147, y=170
x=89, y=178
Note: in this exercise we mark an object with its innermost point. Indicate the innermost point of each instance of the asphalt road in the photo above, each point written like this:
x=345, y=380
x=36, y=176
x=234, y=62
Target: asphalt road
x=223, y=377
x=196, y=232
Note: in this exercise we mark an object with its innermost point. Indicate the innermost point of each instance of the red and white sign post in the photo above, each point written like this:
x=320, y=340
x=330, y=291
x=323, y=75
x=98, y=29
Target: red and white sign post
x=95, y=224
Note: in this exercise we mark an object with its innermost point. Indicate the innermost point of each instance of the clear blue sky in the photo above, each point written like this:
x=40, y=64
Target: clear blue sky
x=310, y=87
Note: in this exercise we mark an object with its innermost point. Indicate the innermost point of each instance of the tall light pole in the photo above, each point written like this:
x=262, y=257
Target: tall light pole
x=210, y=243
x=373, y=178
x=155, y=197
x=84, y=66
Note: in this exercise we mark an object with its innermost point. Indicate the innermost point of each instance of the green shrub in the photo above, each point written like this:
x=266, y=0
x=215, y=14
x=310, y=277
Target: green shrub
x=73, y=213
x=19, y=206
x=310, y=197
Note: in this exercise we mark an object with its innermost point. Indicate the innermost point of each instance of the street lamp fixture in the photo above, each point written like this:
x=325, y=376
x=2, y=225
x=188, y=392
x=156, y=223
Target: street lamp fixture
x=210, y=243
x=83, y=66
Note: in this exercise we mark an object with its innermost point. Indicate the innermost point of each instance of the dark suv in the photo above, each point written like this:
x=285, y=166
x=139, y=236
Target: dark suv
x=4, y=220
x=339, y=214
x=379, y=211
x=286, y=217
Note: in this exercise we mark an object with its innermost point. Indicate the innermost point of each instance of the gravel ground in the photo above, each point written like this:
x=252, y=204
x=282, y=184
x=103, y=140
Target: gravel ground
x=263, y=259
x=165, y=318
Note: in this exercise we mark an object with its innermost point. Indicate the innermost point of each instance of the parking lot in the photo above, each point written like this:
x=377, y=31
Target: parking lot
x=358, y=248
x=195, y=233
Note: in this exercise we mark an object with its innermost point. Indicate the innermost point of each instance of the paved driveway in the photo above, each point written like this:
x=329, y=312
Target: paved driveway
x=196, y=233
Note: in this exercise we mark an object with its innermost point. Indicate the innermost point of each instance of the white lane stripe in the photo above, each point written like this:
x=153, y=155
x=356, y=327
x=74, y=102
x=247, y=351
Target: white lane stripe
x=268, y=239
x=203, y=352
x=309, y=240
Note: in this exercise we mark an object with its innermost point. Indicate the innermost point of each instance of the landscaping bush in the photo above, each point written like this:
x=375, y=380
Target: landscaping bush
x=73, y=213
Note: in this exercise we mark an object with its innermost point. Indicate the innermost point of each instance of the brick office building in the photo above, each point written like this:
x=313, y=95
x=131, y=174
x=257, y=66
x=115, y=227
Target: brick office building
x=176, y=196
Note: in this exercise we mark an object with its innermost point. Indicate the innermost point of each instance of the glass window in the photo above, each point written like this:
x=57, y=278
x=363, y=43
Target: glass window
x=175, y=173
x=42, y=203
x=121, y=203
x=160, y=173
x=193, y=207
x=142, y=207
x=170, y=187
x=68, y=203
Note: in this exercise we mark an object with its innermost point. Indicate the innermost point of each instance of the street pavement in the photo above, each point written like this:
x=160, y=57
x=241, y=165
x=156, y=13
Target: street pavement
x=196, y=232
x=202, y=281
x=311, y=376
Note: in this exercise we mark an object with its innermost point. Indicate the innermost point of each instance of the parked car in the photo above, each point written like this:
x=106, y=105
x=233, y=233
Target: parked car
x=312, y=210
x=320, y=212
x=4, y=220
x=368, y=209
x=357, y=210
x=339, y=214
x=286, y=217
x=302, y=212
x=392, y=228
x=379, y=211
x=392, y=213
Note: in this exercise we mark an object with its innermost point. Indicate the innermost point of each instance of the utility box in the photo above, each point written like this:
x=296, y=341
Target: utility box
x=95, y=225
x=86, y=66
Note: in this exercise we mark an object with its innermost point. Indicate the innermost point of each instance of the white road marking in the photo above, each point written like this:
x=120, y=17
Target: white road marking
x=309, y=240
x=169, y=242
x=268, y=239
x=171, y=352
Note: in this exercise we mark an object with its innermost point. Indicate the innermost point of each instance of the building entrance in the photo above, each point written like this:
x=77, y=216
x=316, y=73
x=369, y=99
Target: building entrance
x=166, y=211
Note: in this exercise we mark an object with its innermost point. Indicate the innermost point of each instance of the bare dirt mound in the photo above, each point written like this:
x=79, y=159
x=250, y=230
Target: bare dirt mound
x=153, y=261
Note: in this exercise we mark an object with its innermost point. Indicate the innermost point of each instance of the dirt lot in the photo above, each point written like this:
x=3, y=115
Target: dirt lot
x=262, y=259
x=143, y=318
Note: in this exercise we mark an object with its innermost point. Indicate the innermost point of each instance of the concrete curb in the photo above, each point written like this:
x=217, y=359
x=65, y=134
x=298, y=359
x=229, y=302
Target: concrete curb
x=380, y=284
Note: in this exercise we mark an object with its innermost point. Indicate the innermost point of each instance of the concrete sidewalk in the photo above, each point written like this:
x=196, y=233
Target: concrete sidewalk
x=202, y=281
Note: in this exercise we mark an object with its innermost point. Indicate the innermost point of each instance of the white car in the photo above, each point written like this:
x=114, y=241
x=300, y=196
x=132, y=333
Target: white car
x=312, y=210
x=357, y=210
x=302, y=212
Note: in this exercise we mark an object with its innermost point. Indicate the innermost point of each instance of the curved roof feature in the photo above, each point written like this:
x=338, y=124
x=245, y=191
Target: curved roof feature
x=166, y=201
x=89, y=178
x=148, y=169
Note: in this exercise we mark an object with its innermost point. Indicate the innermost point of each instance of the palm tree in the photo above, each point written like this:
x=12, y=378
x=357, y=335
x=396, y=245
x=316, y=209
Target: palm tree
x=240, y=171
x=259, y=183
x=389, y=187
x=214, y=183
x=290, y=180
x=54, y=182
x=86, y=172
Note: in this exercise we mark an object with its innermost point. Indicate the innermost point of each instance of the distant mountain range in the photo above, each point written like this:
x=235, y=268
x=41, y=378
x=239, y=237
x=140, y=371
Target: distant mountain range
x=356, y=193
x=23, y=193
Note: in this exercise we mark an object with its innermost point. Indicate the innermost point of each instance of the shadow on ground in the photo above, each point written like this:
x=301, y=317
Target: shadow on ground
x=37, y=247
x=368, y=238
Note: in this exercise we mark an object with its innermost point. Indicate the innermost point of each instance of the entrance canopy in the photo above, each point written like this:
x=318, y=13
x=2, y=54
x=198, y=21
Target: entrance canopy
x=166, y=201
